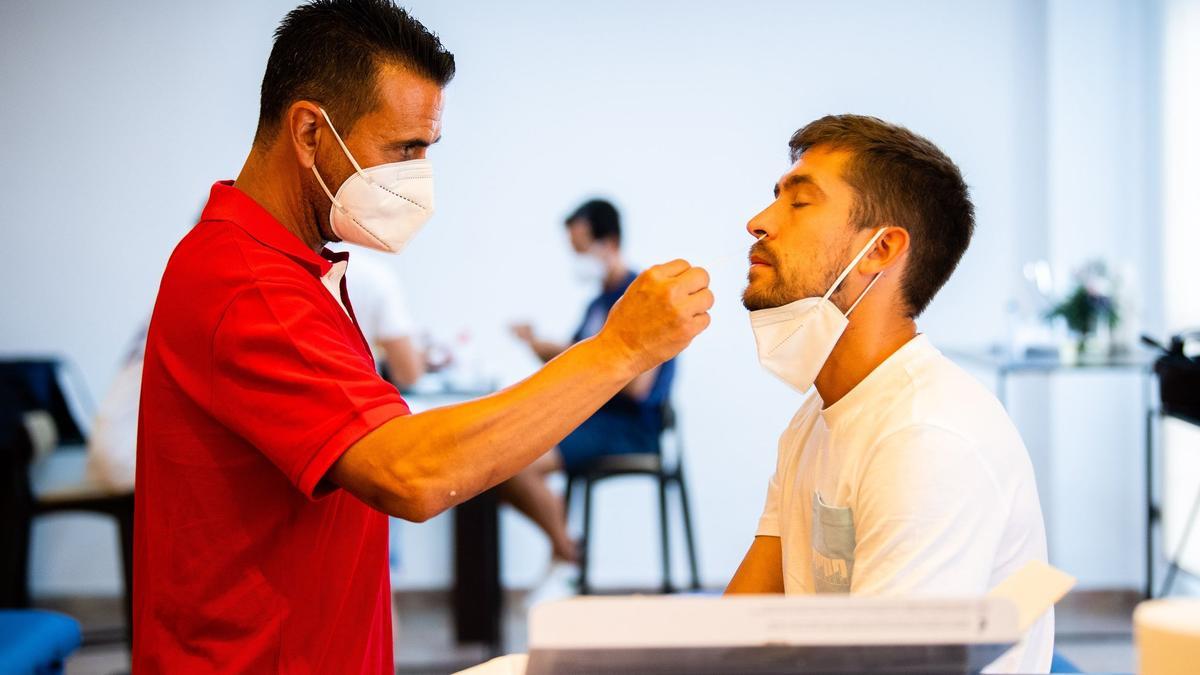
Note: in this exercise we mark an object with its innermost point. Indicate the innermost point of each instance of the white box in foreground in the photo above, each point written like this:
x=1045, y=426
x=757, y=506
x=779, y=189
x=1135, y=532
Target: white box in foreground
x=776, y=634
x=769, y=634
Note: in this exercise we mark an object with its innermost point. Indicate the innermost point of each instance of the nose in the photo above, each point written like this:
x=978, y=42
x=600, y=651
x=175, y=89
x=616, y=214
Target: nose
x=758, y=227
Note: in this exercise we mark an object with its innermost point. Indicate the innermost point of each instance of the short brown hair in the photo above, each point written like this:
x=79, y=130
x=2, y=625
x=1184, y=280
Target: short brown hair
x=904, y=180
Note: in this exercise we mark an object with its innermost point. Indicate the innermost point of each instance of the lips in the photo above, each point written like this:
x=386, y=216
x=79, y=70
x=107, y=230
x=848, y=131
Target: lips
x=756, y=260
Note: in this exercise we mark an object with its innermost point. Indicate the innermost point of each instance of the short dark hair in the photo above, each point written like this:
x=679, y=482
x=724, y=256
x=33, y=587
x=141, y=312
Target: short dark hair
x=904, y=180
x=330, y=51
x=602, y=218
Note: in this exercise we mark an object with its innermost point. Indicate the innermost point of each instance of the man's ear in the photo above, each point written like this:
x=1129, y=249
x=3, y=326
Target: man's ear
x=889, y=249
x=303, y=126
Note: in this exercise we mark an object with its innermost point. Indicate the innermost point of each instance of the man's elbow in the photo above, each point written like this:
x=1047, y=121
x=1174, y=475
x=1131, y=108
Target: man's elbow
x=417, y=500
x=413, y=512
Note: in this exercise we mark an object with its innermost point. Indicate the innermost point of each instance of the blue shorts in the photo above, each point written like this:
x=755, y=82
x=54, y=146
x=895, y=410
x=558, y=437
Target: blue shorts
x=606, y=433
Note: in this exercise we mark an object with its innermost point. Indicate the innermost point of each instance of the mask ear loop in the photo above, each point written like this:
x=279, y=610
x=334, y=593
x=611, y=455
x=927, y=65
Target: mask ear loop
x=858, y=258
x=863, y=294
x=329, y=194
x=357, y=168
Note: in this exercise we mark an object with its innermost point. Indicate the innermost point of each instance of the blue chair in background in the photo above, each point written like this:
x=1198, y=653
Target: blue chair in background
x=36, y=386
x=35, y=642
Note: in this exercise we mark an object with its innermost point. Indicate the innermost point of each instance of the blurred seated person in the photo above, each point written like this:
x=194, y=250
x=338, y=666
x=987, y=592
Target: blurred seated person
x=112, y=440
x=631, y=422
x=379, y=305
x=381, y=308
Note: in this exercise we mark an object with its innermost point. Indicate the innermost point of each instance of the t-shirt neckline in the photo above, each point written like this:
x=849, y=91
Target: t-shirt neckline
x=863, y=393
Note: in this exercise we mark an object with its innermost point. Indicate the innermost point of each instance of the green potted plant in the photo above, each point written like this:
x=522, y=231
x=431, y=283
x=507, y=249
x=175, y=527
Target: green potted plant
x=1088, y=308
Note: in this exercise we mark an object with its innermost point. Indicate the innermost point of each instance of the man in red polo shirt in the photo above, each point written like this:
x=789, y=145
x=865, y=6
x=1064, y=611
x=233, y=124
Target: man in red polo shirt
x=269, y=451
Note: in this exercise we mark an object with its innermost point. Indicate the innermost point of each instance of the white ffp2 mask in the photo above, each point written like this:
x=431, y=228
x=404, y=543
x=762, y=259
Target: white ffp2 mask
x=588, y=269
x=795, y=339
x=381, y=207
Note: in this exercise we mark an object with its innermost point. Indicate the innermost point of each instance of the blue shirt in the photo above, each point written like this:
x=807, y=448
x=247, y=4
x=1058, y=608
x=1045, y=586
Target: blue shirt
x=647, y=412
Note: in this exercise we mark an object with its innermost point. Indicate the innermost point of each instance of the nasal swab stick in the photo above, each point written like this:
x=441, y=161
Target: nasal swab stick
x=730, y=258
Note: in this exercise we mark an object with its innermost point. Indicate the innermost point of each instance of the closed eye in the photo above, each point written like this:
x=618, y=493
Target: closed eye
x=796, y=205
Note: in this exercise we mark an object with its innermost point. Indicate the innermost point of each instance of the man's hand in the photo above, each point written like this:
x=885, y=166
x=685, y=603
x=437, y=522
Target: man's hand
x=659, y=315
x=544, y=349
x=523, y=332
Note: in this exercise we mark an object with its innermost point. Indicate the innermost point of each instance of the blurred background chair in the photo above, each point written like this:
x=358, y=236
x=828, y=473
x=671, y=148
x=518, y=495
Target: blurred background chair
x=666, y=467
x=37, y=420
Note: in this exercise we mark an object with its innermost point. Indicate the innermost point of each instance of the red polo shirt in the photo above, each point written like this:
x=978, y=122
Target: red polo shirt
x=255, y=382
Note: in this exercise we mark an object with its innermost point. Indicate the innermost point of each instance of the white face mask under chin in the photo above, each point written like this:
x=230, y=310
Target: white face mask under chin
x=794, y=340
x=380, y=207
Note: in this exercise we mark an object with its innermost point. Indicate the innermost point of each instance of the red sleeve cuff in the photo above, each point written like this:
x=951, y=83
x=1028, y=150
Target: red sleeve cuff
x=363, y=423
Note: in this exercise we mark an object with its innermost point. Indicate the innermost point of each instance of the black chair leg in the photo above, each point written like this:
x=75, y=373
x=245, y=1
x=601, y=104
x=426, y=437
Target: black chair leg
x=16, y=508
x=124, y=514
x=567, y=500
x=15, y=528
x=663, y=518
x=689, y=537
x=584, y=554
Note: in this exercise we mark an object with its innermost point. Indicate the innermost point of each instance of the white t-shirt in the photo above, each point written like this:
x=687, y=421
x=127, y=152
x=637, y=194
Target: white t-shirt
x=914, y=483
x=378, y=299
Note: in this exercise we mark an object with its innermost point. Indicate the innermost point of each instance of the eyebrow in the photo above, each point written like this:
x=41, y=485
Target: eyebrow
x=795, y=180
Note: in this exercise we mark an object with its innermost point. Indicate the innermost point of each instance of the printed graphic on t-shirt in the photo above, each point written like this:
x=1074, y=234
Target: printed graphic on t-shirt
x=832, y=546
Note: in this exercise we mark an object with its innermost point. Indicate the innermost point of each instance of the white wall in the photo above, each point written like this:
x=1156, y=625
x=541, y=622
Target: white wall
x=1101, y=115
x=1181, y=236
x=118, y=117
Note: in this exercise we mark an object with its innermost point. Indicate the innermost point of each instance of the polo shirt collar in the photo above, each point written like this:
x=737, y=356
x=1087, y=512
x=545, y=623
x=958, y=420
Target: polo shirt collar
x=226, y=202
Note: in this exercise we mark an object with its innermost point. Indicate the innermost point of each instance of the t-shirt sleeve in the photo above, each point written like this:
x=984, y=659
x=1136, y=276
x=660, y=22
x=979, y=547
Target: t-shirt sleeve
x=768, y=522
x=288, y=379
x=929, y=517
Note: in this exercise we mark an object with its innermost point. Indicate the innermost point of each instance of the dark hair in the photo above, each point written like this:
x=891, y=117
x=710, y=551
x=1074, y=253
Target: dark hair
x=904, y=180
x=601, y=217
x=329, y=51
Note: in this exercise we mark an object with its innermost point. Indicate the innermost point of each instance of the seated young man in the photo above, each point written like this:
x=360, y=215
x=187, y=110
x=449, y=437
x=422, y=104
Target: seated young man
x=900, y=474
x=631, y=422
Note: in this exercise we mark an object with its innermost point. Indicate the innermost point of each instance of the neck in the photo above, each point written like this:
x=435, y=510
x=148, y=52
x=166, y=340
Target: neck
x=269, y=181
x=615, y=273
x=868, y=341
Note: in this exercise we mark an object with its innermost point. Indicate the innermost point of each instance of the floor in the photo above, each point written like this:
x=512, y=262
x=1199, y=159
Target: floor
x=1093, y=631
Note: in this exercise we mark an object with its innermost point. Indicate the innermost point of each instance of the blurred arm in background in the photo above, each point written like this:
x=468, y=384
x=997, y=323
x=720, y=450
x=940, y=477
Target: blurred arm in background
x=382, y=311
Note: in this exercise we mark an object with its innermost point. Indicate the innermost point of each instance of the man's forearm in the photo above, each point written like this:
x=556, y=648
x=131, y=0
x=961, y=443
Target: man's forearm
x=419, y=465
x=761, y=570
